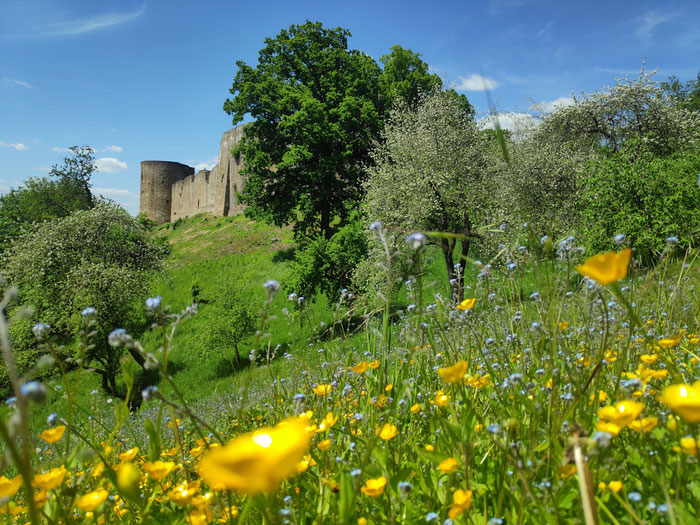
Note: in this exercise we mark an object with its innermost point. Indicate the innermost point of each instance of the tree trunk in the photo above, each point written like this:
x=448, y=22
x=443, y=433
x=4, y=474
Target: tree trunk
x=326, y=220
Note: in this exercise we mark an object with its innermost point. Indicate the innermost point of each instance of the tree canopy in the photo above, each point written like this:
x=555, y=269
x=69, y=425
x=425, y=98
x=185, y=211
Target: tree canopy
x=41, y=199
x=317, y=108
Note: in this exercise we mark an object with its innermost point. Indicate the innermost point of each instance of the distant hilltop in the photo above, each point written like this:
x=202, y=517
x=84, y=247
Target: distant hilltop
x=170, y=190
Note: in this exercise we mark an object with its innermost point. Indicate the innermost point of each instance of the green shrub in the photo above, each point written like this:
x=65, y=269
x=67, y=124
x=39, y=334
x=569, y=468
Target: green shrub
x=646, y=197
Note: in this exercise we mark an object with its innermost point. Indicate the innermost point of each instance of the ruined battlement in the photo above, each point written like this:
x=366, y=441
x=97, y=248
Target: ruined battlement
x=170, y=190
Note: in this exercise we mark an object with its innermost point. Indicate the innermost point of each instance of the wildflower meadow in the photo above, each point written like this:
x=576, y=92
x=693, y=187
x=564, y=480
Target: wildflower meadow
x=575, y=402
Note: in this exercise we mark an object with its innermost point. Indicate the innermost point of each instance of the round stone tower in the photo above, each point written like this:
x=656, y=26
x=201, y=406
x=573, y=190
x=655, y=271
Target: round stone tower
x=157, y=179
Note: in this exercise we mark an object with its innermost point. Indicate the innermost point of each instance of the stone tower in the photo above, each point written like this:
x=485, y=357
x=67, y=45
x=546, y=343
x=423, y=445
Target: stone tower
x=170, y=190
x=157, y=180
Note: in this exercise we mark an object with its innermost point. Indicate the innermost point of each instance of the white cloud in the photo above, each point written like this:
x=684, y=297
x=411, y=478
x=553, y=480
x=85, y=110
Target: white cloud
x=85, y=25
x=206, y=164
x=3, y=187
x=128, y=199
x=548, y=106
x=16, y=145
x=616, y=71
x=110, y=165
x=474, y=82
x=647, y=22
x=517, y=123
x=60, y=150
x=114, y=149
x=15, y=82
x=113, y=192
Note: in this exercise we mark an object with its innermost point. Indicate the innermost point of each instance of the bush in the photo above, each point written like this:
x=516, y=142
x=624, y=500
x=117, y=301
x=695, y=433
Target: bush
x=96, y=258
x=645, y=197
x=326, y=265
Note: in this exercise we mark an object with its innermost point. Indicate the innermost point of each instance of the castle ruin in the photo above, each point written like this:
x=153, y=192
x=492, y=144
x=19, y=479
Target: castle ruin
x=170, y=190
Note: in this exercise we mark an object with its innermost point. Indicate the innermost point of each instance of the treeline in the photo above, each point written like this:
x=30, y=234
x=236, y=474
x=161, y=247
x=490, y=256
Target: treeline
x=339, y=142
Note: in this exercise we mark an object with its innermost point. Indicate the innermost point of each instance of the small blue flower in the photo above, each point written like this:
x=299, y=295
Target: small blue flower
x=153, y=303
x=432, y=517
x=89, y=313
x=34, y=391
x=52, y=419
x=41, y=330
x=416, y=241
x=634, y=496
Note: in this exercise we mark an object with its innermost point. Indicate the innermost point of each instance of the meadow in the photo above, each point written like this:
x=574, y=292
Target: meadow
x=560, y=390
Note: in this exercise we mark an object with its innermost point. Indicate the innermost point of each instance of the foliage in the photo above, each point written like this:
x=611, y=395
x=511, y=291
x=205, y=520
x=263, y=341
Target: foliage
x=229, y=320
x=315, y=105
x=41, y=199
x=636, y=108
x=97, y=258
x=431, y=174
x=686, y=95
x=326, y=265
x=643, y=196
x=318, y=109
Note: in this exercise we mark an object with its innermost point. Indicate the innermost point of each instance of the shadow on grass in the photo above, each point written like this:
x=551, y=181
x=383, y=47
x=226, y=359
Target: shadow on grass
x=285, y=255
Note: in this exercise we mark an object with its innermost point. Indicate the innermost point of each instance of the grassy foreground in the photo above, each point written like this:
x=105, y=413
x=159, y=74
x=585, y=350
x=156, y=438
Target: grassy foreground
x=558, y=405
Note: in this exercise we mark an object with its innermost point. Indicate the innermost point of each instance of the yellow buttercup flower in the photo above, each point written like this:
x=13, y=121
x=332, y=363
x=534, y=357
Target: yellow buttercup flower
x=453, y=373
x=644, y=425
x=53, y=434
x=183, y=493
x=684, y=400
x=610, y=428
x=441, y=398
x=467, y=304
x=129, y=455
x=327, y=422
x=324, y=445
x=374, y=365
x=622, y=414
x=322, y=390
x=92, y=500
x=415, y=408
x=387, y=431
x=361, y=367
x=606, y=268
x=51, y=479
x=461, y=501
x=374, y=487
x=257, y=461
x=671, y=342
x=448, y=466
x=9, y=487
x=128, y=477
x=157, y=470
x=688, y=446
x=615, y=486
x=563, y=325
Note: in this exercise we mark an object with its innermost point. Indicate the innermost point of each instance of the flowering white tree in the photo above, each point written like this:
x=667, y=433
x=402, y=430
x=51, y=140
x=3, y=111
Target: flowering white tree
x=431, y=174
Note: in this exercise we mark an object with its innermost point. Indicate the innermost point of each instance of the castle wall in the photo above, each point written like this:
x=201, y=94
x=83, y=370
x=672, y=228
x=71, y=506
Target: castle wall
x=170, y=190
x=157, y=180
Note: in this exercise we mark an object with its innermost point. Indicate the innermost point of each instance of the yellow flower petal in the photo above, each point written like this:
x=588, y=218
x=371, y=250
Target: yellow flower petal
x=606, y=268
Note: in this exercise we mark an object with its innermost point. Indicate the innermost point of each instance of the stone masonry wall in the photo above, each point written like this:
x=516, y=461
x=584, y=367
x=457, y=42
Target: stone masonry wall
x=170, y=190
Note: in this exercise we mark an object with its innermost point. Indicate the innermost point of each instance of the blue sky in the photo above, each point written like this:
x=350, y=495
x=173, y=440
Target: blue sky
x=146, y=80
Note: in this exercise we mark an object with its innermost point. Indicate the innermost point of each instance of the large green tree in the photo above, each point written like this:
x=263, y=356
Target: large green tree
x=318, y=108
x=42, y=199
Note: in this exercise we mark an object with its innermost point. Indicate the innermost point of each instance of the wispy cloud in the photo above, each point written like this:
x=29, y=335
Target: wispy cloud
x=647, y=22
x=111, y=165
x=14, y=82
x=80, y=26
x=3, y=186
x=617, y=71
x=128, y=199
x=16, y=145
x=110, y=149
x=474, y=82
x=548, y=106
x=207, y=164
